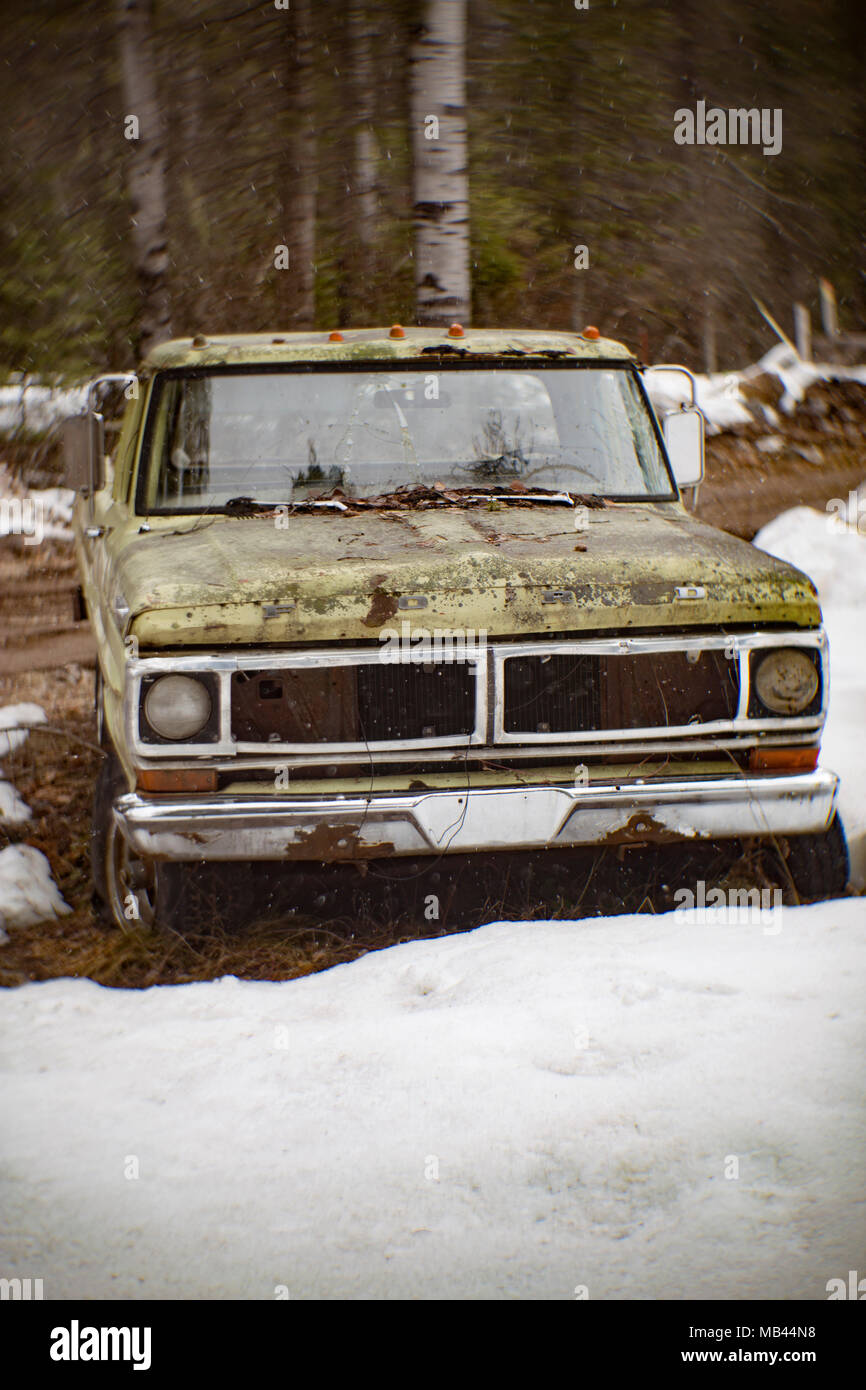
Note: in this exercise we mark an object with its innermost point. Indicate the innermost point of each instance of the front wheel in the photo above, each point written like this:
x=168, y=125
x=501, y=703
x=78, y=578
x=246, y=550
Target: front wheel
x=818, y=864
x=125, y=884
x=131, y=889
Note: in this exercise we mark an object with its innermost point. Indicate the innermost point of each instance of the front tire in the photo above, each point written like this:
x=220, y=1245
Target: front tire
x=818, y=864
x=132, y=890
x=125, y=884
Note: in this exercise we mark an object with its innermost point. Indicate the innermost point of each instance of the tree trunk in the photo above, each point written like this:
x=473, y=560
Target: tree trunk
x=364, y=164
x=298, y=194
x=441, y=184
x=145, y=177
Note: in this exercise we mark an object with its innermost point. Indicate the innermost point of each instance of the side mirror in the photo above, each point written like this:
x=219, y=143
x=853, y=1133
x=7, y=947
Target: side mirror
x=684, y=441
x=84, y=435
x=84, y=452
x=683, y=428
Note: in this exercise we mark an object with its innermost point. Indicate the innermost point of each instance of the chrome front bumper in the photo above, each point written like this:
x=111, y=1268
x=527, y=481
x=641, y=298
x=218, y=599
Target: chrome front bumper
x=439, y=822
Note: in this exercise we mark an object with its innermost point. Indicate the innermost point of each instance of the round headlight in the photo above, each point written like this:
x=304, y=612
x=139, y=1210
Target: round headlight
x=177, y=706
x=786, y=681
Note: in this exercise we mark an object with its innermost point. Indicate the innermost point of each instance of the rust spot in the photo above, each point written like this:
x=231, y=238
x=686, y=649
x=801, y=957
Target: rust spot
x=383, y=607
x=327, y=843
x=641, y=829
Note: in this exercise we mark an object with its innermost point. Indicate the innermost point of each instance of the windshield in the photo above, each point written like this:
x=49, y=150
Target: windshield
x=290, y=437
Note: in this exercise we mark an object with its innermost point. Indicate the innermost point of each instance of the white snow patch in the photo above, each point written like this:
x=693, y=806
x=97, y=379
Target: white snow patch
x=38, y=514
x=28, y=893
x=15, y=724
x=720, y=395
x=37, y=407
x=13, y=809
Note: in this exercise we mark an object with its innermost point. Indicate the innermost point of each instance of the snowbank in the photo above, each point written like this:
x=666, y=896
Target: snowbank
x=35, y=407
x=38, y=514
x=509, y=1113
x=28, y=893
x=720, y=395
x=797, y=375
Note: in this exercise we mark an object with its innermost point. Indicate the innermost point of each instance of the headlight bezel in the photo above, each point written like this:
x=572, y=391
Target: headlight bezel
x=759, y=708
x=207, y=732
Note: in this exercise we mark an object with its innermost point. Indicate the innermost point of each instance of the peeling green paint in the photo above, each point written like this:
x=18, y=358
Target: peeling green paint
x=342, y=576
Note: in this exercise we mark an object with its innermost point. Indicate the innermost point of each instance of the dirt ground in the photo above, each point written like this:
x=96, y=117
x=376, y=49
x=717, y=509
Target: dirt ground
x=744, y=489
x=47, y=656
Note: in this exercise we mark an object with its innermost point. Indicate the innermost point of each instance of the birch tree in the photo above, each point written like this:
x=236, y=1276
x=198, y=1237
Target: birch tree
x=145, y=170
x=364, y=162
x=441, y=185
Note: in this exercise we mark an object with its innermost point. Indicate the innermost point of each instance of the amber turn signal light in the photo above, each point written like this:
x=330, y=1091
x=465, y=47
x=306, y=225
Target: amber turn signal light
x=176, y=779
x=783, y=759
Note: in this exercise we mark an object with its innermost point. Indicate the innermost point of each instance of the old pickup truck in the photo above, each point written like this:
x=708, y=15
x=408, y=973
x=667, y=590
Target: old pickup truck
x=415, y=592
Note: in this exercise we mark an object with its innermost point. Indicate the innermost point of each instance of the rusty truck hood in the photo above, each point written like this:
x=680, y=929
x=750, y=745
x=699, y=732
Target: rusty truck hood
x=510, y=570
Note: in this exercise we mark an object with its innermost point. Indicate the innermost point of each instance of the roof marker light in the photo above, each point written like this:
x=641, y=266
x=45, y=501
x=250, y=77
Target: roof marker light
x=591, y=332
x=335, y=337
x=397, y=331
x=456, y=331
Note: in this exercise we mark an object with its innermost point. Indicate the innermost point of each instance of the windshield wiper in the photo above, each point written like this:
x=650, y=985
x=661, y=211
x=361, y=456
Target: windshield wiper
x=248, y=506
x=422, y=494
x=439, y=494
x=539, y=494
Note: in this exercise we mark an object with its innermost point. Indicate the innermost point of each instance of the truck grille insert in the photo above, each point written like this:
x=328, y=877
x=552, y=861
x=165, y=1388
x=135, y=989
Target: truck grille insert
x=552, y=694
x=369, y=703
x=579, y=693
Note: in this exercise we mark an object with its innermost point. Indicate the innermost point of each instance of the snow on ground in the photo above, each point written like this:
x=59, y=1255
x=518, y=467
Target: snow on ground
x=13, y=809
x=512, y=1112
x=834, y=556
x=33, y=406
x=15, y=724
x=28, y=893
x=40, y=514
x=720, y=397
